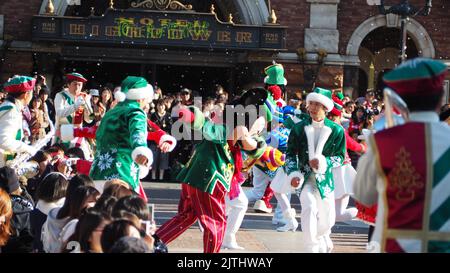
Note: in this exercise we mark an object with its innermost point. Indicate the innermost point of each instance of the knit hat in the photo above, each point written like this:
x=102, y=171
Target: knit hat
x=322, y=96
x=134, y=88
x=338, y=105
x=94, y=92
x=19, y=84
x=8, y=179
x=275, y=75
x=75, y=77
x=417, y=77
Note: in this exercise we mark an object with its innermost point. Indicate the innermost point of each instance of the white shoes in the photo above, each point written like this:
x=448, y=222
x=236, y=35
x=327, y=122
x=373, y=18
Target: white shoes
x=261, y=206
x=229, y=242
x=325, y=244
x=291, y=224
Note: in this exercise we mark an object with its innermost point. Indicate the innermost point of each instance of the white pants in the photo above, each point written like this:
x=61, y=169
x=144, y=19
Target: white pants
x=342, y=212
x=283, y=201
x=317, y=216
x=260, y=182
x=235, y=210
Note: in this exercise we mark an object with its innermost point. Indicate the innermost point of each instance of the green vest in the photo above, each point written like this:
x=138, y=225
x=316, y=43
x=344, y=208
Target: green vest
x=297, y=158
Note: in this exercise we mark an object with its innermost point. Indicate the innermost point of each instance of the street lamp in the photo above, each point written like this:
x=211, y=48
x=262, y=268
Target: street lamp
x=405, y=10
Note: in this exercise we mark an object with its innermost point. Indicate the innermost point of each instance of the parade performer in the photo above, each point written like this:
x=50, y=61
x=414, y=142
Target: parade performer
x=405, y=169
x=315, y=146
x=122, y=137
x=344, y=175
x=213, y=170
x=72, y=106
x=261, y=193
x=20, y=92
x=269, y=161
x=280, y=185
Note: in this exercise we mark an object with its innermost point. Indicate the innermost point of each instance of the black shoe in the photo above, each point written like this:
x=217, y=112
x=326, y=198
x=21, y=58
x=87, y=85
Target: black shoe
x=159, y=246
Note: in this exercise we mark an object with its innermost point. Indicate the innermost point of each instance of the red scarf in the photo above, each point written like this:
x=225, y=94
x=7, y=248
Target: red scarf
x=238, y=177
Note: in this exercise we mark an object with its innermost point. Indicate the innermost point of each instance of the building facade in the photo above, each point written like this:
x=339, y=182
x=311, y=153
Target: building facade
x=344, y=44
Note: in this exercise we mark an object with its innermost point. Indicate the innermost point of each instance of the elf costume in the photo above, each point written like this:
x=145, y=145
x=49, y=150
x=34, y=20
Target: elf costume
x=11, y=118
x=406, y=168
x=213, y=170
x=262, y=193
x=121, y=137
x=74, y=110
x=324, y=141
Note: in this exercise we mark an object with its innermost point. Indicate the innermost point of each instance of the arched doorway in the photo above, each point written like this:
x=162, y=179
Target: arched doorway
x=379, y=52
x=376, y=43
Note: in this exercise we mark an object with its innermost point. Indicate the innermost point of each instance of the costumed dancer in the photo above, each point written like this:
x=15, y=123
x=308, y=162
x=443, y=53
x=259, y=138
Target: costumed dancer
x=213, y=170
x=20, y=93
x=344, y=175
x=315, y=146
x=236, y=207
x=280, y=185
x=72, y=106
x=405, y=168
x=121, y=135
x=261, y=193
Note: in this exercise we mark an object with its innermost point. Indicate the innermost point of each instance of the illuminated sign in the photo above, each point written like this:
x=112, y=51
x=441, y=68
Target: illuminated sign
x=158, y=28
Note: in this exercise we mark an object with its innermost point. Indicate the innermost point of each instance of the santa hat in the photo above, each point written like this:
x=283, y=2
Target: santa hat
x=134, y=88
x=19, y=84
x=417, y=77
x=275, y=75
x=75, y=77
x=338, y=105
x=322, y=96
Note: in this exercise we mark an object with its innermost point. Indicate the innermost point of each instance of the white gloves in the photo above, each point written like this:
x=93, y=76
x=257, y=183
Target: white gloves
x=79, y=102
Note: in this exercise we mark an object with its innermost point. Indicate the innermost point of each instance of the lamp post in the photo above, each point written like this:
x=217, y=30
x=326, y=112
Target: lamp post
x=405, y=10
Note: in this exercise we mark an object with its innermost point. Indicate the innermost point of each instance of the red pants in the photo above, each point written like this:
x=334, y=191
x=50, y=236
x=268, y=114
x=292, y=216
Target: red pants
x=195, y=205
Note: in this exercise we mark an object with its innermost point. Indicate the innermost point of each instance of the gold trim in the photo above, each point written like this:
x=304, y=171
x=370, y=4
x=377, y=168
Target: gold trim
x=162, y=6
x=429, y=187
x=50, y=8
x=230, y=17
x=418, y=234
x=382, y=175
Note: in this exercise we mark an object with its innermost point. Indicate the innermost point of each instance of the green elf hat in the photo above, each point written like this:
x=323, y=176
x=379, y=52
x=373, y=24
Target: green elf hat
x=322, y=96
x=134, y=88
x=19, y=84
x=275, y=75
x=338, y=105
x=340, y=95
x=417, y=77
x=75, y=77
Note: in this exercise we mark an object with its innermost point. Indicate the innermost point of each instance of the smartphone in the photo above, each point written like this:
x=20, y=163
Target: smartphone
x=148, y=224
x=151, y=212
